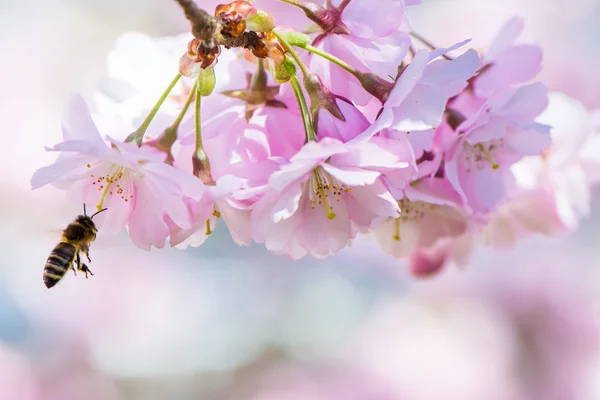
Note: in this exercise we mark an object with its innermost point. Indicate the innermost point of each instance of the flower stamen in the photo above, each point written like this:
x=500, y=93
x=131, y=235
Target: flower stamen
x=487, y=156
x=397, y=229
x=208, y=231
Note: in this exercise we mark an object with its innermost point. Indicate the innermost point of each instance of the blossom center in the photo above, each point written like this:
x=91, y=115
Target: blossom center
x=320, y=186
x=114, y=181
x=411, y=211
x=482, y=155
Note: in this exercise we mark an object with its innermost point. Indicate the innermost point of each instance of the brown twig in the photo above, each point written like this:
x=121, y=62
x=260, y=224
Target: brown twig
x=204, y=25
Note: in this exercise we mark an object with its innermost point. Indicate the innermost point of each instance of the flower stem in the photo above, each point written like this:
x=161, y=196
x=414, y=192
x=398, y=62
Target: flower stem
x=138, y=135
x=310, y=134
x=334, y=60
x=169, y=136
x=200, y=161
x=292, y=52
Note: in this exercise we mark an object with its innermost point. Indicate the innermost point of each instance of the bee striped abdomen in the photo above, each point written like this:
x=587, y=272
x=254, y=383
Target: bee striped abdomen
x=58, y=263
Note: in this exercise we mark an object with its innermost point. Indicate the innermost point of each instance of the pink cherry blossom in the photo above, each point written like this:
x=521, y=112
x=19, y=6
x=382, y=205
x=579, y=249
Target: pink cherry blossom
x=420, y=94
x=429, y=211
x=506, y=64
x=491, y=140
x=378, y=48
x=230, y=198
x=326, y=194
x=236, y=130
x=133, y=183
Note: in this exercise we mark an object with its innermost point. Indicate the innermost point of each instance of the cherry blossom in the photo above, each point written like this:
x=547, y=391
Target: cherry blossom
x=325, y=194
x=133, y=183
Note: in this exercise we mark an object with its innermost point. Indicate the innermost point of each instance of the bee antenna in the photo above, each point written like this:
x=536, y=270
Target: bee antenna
x=98, y=212
x=84, y=213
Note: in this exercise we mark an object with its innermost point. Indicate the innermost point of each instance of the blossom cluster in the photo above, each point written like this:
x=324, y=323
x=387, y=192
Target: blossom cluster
x=304, y=141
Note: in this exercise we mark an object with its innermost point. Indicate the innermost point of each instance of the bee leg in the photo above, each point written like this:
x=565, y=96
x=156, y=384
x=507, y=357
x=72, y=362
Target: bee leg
x=86, y=251
x=86, y=270
x=72, y=266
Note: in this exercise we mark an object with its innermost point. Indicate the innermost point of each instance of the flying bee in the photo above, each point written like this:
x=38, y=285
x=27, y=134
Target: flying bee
x=76, y=238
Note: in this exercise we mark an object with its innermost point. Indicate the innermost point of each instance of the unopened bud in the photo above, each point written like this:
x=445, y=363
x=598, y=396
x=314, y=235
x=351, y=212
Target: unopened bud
x=201, y=167
x=286, y=70
x=297, y=39
x=321, y=97
x=261, y=22
x=206, y=82
x=376, y=86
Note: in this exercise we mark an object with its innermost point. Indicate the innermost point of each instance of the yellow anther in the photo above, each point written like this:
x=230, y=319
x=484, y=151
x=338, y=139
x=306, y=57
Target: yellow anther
x=397, y=229
x=487, y=156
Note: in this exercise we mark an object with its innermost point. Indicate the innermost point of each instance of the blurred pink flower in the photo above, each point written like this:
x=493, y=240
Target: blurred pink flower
x=570, y=167
x=132, y=182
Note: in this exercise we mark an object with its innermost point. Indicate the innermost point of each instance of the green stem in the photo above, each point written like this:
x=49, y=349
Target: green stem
x=198, y=129
x=292, y=52
x=138, y=135
x=310, y=134
x=334, y=60
x=185, y=108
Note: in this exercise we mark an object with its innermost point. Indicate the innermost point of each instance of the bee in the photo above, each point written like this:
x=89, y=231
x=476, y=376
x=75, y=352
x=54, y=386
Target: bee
x=76, y=238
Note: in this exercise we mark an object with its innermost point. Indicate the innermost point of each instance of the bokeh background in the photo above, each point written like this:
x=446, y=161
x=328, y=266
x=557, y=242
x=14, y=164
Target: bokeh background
x=224, y=322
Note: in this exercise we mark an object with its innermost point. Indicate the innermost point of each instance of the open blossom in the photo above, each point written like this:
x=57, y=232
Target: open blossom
x=326, y=194
x=429, y=211
x=133, y=183
x=350, y=35
x=223, y=199
x=501, y=133
x=420, y=94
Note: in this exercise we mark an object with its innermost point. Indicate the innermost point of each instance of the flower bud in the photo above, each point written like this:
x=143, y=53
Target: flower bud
x=376, y=86
x=286, y=70
x=261, y=22
x=321, y=97
x=296, y=38
x=206, y=81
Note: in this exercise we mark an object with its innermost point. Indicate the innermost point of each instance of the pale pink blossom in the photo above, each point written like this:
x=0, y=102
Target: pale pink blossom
x=133, y=183
x=370, y=47
x=506, y=64
x=420, y=94
x=326, y=194
x=238, y=129
x=429, y=211
x=229, y=198
x=489, y=141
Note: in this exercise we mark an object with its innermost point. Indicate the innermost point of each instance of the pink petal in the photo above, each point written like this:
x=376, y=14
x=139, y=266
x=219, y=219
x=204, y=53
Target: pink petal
x=287, y=203
x=352, y=176
x=386, y=237
x=516, y=65
x=61, y=167
x=508, y=34
x=237, y=221
x=359, y=15
x=77, y=123
x=146, y=226
x=320, y=236
x=408, y=79
x=330, y=126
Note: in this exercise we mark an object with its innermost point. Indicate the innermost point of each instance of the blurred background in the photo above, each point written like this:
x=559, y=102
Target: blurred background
x=225, y=322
